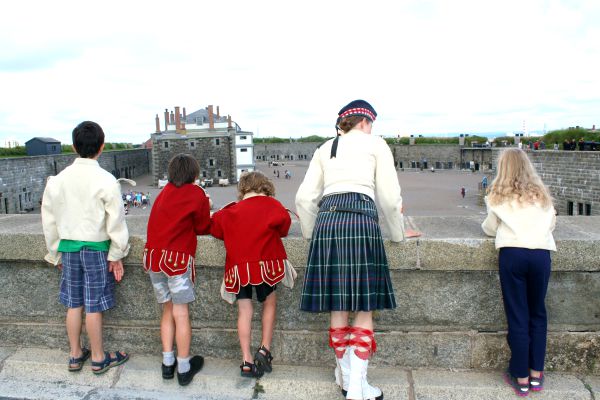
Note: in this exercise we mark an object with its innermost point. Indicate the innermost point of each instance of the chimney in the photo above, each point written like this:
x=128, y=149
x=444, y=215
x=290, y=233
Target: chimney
x=211, y=118
x=229, y=121
x=172, y=118
x=166, y=120
x=157, y=124
x=177, y=118
x=184, y=114
x=218, y=113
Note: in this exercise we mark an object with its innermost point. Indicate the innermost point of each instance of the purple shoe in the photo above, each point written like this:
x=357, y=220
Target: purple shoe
x=520, y=389
x=536, y=384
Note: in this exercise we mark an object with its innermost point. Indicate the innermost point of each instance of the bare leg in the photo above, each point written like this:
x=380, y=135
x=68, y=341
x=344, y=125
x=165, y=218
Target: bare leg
x=73, y=322
x=183, y=329
x=339, y=319
x=244, y=326
x=364, y=319
x=268, y=319
x=93, y=324
x=167, y=327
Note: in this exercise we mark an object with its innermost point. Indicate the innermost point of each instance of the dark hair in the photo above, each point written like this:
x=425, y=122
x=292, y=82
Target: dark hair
x=88, y=138
x=183, y=169
x=256, y=182
x=348, y=123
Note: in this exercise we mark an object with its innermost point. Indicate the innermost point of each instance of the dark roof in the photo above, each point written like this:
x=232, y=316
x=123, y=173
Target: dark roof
x=203, y=113
x=43, y=139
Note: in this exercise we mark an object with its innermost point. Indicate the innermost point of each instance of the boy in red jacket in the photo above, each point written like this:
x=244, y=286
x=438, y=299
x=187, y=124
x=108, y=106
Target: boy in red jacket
x=180, y=212
x=252, y=230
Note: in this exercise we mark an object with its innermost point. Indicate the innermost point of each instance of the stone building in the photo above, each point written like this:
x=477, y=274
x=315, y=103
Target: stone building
x=223, y=150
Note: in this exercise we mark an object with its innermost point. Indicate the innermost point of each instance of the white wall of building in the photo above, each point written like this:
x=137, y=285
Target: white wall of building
x=244, y=155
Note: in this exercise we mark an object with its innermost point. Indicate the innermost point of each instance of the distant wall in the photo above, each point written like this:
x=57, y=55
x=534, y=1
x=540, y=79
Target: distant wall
x=284, y=151
x=23, y=179
x=572, y=176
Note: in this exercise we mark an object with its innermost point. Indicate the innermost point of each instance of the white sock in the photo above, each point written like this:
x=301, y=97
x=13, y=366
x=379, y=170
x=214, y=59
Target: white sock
x=183, y=364
x=168, y=358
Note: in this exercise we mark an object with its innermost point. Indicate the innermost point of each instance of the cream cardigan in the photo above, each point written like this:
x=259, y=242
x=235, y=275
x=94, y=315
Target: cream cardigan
x=363, y=164
x=83, y=202
x=516, y=225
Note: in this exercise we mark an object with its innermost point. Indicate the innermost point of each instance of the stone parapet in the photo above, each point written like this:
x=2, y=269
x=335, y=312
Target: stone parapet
x=449, y=312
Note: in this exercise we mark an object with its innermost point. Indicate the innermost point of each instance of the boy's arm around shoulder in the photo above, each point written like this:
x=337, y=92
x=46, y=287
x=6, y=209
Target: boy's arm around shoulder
x=116, y=227
x=49, y=227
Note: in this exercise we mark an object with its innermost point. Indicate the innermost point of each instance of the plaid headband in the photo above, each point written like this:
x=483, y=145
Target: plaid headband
x=358, y=111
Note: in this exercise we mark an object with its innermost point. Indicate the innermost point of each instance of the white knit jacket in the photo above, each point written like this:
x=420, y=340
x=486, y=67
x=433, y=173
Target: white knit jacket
x=83, y=202
x=363, y=164
x=514, y=224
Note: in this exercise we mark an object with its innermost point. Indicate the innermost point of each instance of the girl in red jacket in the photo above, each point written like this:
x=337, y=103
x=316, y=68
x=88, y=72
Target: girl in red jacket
x=255, y=262
x=180, y=212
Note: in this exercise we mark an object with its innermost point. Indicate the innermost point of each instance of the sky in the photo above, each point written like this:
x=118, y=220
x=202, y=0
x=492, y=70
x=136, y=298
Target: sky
x=285, y=69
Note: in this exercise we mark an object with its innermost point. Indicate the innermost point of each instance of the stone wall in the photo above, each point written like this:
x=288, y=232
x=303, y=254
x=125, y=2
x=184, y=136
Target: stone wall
x=203, y=149
x=449, y=312
x=573, y=178
x=23, y=179
x=284, y=151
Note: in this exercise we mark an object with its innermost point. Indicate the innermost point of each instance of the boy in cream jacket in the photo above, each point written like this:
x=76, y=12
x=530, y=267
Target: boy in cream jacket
x=86, y=236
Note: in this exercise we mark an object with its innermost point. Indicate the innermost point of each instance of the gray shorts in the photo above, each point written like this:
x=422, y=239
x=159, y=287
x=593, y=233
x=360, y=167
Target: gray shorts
x=179, y=288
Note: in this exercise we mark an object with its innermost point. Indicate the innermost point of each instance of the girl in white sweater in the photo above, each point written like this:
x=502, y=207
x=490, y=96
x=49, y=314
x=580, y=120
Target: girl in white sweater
x=522, y=218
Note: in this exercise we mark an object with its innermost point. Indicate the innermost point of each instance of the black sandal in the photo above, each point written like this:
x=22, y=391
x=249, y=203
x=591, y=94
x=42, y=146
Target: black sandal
x=249, y=370
x=263, y=359
x=76, y=363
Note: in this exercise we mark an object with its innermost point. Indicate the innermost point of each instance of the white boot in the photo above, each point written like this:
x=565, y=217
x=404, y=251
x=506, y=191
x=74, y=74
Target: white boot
x=342, y=371
x=358, y=387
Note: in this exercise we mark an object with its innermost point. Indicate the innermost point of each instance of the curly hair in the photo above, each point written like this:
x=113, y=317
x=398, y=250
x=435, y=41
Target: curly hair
x=256, y=182
x=516, y=179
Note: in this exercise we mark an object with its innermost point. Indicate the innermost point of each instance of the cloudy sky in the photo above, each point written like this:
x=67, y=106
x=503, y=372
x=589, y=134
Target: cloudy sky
x=284, y=68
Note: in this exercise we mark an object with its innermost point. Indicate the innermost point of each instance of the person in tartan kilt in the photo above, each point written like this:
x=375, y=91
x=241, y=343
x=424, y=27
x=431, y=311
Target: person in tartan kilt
x=347, y=269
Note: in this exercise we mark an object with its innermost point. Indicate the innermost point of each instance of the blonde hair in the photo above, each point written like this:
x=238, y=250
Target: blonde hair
x=516, y=179
x=256, y=182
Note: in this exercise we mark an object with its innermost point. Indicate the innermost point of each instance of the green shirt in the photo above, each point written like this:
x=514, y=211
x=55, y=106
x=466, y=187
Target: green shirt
x=73, y=246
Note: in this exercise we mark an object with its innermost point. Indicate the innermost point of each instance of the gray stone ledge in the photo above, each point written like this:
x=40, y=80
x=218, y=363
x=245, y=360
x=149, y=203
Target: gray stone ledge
x=447, y=243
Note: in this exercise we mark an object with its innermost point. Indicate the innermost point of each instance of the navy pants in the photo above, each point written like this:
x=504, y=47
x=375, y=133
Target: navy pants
x=524, y=275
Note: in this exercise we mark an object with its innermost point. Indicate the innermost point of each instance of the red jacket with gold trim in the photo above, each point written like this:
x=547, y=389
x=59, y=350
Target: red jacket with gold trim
x=252, y=230
x=178, y=215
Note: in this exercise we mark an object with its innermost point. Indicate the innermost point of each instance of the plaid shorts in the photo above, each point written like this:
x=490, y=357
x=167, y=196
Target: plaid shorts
x=85, y=281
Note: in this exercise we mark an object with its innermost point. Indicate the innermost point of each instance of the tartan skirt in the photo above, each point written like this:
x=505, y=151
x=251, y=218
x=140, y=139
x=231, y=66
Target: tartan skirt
x=347, y=268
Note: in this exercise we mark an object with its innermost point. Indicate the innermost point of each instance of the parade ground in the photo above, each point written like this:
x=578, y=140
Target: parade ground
x=424, y=193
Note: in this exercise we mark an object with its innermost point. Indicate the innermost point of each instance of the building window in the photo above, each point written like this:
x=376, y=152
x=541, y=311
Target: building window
x=53, y=147
x=166, y=145
x=217, y=141
x=192, y=144
x=244, y=150
x=569, y=208
x=218, y=173
x=211, y=162
x=242, y=137
x=204, y=174
x=588, y=209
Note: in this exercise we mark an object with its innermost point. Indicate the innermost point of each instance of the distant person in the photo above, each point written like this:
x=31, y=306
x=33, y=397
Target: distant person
x=484, y=182
x=255, y=262
x=566, y=145
x=463, y=192
x=347, y=269
x=86, y=235
x=181, y=211
x=556, y=145
x=581, y=144
x=522, y=218
x=542, y=145
x=572, y=144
